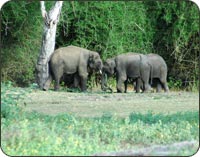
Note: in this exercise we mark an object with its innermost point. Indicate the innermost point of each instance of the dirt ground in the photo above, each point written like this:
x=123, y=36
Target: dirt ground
x=96, y=103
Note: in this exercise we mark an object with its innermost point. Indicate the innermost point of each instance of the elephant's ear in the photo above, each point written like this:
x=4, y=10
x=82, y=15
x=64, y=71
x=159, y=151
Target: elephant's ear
x=114, y=62
x=91, y=56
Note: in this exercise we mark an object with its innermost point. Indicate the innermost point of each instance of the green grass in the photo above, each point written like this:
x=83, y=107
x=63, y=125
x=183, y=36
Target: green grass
x=32, y=133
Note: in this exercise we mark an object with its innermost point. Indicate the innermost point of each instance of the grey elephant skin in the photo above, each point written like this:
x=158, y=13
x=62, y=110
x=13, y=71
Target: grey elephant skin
x=128, y=65
x=71, y=60
x=73, y=80
x=159, y=72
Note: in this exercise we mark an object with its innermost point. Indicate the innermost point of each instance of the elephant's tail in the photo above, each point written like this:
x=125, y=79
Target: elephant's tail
x=151, y=74
x=140, y=65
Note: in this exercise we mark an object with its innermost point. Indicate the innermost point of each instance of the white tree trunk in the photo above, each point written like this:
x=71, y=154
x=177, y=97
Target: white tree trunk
x=51, y=19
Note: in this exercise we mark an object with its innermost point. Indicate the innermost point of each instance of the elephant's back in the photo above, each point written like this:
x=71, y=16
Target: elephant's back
x=128, y=57
x=156, y=60
x=68, y=53
x=158, y=64
x=65, y=57
x=129, y=62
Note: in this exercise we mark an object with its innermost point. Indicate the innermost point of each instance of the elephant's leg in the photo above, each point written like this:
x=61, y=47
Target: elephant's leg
x=163, y=79
x=145, y=75
x=76, y=81
x=125, y=85
x=119, y=86
x=57, y=81
x=134, y=85
x=120, y=82
x=158, y=87
x=164, y=83
x=166, y=88
x=57, y=73
x=47, y=83
x=145, y=79
x=138, y=84
x=83, y=83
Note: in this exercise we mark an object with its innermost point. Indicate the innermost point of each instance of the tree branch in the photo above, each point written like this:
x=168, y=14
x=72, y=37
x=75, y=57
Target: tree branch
x=55, y=11
x=43, y=10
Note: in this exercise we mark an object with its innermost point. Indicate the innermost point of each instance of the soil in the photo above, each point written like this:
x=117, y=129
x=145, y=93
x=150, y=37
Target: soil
x=97, y=103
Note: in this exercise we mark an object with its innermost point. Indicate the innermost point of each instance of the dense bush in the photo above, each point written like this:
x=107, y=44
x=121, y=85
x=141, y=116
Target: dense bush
x=107, y=27
x=21, y=41
x=176, y=38
x=170, y=29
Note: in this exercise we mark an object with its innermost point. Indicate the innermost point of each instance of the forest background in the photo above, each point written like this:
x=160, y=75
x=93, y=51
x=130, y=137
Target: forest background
x=168, y=28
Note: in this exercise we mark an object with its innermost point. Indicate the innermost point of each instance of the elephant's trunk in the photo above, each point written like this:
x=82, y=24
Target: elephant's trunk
x=104, y=79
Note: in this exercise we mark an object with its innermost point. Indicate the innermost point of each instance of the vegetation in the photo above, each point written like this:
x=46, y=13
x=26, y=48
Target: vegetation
x=170, y=29
x=25, y=133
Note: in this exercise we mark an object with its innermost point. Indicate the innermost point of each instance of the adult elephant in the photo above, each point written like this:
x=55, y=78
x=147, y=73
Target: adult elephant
x=128, y=65
x=71, y=60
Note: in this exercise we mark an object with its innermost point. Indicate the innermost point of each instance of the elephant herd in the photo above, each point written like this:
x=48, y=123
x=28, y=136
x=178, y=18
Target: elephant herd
x=145, y=71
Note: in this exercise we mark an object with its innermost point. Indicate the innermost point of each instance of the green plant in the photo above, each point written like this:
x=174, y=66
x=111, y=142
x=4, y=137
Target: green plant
x=9, y=97
x=174, y=83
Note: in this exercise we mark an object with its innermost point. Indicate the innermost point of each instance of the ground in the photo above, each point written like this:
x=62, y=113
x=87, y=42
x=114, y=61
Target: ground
x=96, y=103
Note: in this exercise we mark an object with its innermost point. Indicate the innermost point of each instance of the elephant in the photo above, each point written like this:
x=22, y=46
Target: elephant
x=127, y=66
x=158, y=73
x=71, y=60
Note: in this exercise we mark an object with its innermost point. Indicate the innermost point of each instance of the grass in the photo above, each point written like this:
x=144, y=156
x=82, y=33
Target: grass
x=96, y=103
x=34, y=133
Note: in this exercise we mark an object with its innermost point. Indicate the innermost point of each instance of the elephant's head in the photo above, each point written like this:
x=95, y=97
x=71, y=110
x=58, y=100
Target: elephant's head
x=108, y=70
x=109, y=66
x=95, y=61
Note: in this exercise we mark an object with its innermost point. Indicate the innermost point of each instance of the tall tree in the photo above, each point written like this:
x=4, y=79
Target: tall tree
x=51, y=19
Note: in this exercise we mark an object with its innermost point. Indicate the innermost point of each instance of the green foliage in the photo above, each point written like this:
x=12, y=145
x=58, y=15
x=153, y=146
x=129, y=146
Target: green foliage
x=176, y=37
x=68, y=135
x=107, y=27
x=9, y=97
x=170, y=29
x=21, y=40
x=174, y=83
x=151, y=118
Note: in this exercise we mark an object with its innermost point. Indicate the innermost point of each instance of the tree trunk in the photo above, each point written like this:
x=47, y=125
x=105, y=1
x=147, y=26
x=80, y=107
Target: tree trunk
x=51, y=19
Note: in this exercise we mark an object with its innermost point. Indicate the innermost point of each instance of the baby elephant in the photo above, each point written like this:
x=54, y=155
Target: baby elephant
x=73, y=59
x=158, y=73
x=127, y=66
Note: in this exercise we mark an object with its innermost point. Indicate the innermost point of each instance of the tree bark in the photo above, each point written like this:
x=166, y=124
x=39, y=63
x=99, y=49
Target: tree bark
x=51, y=19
